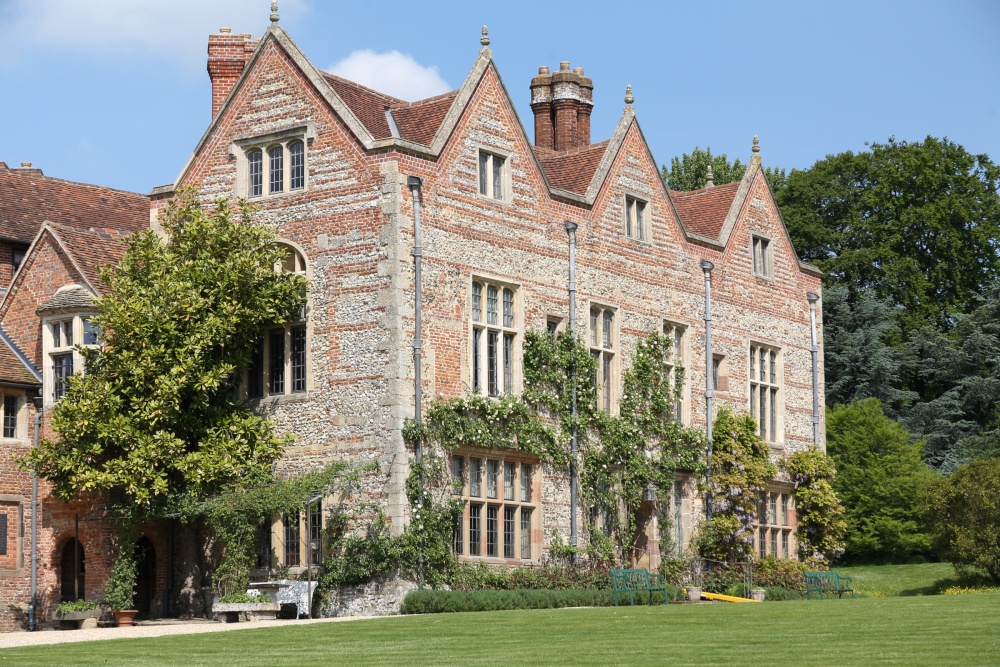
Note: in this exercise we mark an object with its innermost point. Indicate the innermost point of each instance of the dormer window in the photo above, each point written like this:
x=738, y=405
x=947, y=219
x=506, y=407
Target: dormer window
x=273, y=164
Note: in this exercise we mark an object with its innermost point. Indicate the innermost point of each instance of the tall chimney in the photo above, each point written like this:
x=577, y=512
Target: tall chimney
x=541, y=105
x=562, y=103
x=565, y=100
x=227, y=56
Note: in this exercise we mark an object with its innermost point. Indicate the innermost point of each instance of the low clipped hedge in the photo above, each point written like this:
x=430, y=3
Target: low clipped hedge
x=437, y=601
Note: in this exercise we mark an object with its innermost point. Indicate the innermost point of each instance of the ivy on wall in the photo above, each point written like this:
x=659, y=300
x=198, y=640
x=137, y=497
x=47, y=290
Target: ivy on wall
x=620, y=456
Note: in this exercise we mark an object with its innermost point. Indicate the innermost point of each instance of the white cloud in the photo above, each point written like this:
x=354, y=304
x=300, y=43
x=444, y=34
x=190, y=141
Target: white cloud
x=173, y=29
x=394, y=73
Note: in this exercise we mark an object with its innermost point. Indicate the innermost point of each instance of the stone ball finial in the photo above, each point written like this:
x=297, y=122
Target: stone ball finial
x=756, y=144
x=274, y=11
x=629, y=98
x=485, y=39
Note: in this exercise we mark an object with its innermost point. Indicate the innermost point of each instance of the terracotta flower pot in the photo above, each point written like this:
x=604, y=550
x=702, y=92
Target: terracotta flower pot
x=125, y=617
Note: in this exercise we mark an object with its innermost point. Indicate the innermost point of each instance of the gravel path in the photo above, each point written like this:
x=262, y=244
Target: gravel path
x=154, y=629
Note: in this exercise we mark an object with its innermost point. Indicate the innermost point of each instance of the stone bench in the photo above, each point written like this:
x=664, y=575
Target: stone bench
x=77, y=620
x=234, y=612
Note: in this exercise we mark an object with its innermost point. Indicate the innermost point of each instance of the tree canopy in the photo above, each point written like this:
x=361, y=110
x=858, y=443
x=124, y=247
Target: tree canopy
x=881, y=479
x=916, y=223
x=156, y=415
x=689, y=171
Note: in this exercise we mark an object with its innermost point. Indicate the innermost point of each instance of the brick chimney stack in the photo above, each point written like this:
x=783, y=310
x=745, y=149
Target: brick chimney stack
x=227, y=56
x=562, y=104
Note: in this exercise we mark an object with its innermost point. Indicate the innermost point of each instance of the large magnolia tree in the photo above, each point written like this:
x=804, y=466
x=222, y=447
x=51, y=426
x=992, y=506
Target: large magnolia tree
x=156, y=417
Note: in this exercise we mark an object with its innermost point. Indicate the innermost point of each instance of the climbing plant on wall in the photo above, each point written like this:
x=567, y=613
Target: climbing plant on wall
x=820, y=525
x=640, y=448
x=621, y=456
x=737, y=472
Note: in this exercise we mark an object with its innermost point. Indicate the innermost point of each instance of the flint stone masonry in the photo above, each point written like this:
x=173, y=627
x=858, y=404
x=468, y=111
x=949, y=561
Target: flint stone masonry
x=377, y=598
x=353, y=221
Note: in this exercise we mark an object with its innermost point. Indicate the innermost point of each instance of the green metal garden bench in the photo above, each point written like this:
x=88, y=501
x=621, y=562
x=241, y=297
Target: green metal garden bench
x=631, y=581
x=827, y=582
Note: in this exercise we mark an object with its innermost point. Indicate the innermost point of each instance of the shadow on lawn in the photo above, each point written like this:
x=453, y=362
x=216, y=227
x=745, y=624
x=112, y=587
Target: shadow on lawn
x=937, y=588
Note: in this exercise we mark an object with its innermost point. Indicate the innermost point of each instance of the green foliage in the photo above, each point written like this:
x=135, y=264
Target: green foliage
x=738, y=469
x=689, y=171
x=642, y=447
x=766, y=573
x=436, y=602
x=958, y=374
x=964, y=510
x=479, y=576
x=425, y=546
x=350, y=560
x=155, y=415
x=235, y=515
x=78, y=605
x=881, y=479
x=621, y=455
x=861, y=357
x=779, y=593
x=119, y=589
x=820, y=516
x=241, y=598
x=917, y=223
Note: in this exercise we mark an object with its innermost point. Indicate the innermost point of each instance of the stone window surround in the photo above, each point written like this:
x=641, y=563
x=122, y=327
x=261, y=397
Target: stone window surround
x=276, y=530
x=49, y=351
x=682, y=357
x=644, y=235
x=485, y=280
x=21, y=430
x=534, y=503
x=767, y=272
x=289, y=395
x=776, y=438
x=243, y=144
x=595, y=342
x=774, y=525
x=506, y=189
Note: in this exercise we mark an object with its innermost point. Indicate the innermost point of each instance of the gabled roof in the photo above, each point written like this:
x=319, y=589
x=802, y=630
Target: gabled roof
x=704, y=211
x=91, y=249
x=573, y=170
x=28, y=198
x=368, y=105
x=15, y=367
x=419, y=121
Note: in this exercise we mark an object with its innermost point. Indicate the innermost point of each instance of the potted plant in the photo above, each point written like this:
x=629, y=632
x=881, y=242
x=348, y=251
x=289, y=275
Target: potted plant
x=119, y=591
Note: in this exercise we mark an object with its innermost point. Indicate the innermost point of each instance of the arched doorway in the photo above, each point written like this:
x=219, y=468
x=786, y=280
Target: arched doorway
x=145, y=581
x=72, y=577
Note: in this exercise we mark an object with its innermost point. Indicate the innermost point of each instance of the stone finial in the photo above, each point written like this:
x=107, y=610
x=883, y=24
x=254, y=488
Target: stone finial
x=274, y=11
x=756, y=144
x=709, y=182
x=485, y=39
x=629, y=98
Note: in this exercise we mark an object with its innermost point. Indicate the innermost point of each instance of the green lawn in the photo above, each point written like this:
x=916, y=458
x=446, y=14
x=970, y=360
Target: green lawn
x=890, y=580
x=935, y=630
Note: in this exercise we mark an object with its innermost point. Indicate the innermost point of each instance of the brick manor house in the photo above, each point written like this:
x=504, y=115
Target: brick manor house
x=330, y=164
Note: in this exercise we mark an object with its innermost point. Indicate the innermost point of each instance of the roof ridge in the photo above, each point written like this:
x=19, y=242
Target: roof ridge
x=701, y=191
x=572, y=151
x=361, y=87
x=38, y=172
x=426, y=100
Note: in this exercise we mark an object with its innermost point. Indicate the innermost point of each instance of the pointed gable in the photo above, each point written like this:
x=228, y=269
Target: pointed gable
x=574, y=170
x=704, y=211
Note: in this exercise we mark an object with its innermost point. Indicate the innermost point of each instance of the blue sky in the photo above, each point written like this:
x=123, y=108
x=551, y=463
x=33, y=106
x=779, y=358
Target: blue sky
x=115, y=91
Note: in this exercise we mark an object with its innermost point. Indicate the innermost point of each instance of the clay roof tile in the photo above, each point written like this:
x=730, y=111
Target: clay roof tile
x=704, y=211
